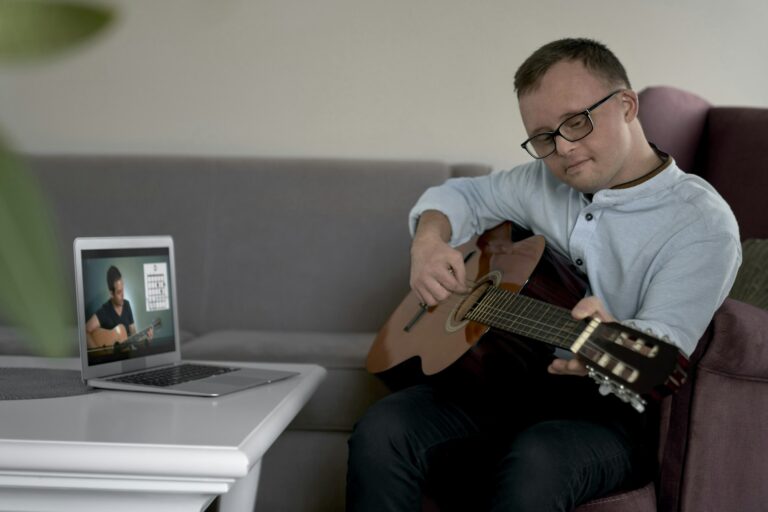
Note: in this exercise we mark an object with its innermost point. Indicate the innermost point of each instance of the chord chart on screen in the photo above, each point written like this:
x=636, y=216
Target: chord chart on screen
x=156, y=286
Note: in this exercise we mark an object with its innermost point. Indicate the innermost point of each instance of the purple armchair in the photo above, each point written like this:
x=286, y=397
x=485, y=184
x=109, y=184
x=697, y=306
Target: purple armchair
x=713, y=453
x=714, y=438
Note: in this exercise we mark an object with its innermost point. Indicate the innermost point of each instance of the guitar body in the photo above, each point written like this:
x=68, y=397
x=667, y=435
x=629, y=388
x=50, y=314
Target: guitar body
x=107, y=337
x=519, y=263
x=116, y=341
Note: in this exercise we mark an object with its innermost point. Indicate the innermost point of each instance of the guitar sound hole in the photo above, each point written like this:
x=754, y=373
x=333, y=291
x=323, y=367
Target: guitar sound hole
x=457, y=319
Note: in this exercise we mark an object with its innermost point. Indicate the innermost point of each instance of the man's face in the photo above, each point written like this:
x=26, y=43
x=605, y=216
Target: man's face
x=118, y=295
x=596, y=161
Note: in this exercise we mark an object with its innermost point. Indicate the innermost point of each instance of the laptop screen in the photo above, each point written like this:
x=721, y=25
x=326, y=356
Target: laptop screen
x=127, y=303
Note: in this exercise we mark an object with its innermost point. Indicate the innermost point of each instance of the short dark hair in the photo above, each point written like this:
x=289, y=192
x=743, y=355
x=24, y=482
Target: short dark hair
x=113, y=275
x=595, y=56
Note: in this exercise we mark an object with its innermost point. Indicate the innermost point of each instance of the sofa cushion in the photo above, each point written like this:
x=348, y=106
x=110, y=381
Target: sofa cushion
x=331, y=350
x=751, y=285
x=344, y=395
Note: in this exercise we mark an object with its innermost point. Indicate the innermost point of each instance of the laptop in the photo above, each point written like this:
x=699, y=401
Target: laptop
x=128, y=322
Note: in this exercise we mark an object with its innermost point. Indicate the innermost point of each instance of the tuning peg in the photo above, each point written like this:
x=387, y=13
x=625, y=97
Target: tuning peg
x=607, y=387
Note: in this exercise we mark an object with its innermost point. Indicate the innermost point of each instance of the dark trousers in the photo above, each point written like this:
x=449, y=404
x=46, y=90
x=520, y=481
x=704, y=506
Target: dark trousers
x=547, y=443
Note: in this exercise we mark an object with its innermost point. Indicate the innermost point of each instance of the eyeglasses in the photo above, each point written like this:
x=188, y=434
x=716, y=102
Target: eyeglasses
x=572, y=129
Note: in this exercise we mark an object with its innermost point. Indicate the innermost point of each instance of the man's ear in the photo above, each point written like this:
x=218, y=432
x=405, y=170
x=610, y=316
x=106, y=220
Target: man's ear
x=631, y=105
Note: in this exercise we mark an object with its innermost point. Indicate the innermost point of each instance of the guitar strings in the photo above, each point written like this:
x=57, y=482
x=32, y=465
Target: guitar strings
x=562, y=336
x=558, y=336
x=544, y=329
x=546, y=332
x=503, y=313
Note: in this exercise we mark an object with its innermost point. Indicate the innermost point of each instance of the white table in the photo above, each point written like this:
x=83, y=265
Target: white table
x=121, y=451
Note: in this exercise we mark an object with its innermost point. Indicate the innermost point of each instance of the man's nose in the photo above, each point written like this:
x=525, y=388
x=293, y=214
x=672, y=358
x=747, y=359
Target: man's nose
x=563, y=146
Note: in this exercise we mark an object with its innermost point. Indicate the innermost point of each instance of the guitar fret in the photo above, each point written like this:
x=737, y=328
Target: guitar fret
x=541, y=313
x=497, y=309
x=500, y=303
x=539, y=326
x=505, y=300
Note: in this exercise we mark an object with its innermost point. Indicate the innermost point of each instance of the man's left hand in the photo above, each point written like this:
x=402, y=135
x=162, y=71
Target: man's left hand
x=586, y=307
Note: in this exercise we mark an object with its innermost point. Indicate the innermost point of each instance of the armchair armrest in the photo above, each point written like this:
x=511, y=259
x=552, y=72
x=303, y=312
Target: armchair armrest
x=715, y=441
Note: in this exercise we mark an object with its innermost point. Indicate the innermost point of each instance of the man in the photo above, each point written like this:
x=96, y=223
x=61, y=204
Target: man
x=114, y=315
x=660, y=249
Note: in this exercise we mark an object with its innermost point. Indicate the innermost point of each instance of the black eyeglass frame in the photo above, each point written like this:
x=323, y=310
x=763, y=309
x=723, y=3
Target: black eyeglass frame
x=586, y=112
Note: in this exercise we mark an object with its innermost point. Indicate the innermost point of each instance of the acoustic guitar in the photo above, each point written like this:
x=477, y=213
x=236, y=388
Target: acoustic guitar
x=525, y=290
x=116, y=341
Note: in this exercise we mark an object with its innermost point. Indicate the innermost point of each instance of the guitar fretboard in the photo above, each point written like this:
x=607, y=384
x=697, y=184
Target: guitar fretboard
x=527, y=317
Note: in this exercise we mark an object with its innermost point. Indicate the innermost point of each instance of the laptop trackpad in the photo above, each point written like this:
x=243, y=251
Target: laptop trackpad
x=234, y=381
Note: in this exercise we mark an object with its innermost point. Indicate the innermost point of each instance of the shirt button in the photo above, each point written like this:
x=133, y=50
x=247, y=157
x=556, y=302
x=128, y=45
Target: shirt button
x=579, y=262
x=589, y=216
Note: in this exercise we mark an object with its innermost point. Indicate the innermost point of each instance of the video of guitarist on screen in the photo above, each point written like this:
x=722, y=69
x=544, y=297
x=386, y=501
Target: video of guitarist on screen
x=114, y=329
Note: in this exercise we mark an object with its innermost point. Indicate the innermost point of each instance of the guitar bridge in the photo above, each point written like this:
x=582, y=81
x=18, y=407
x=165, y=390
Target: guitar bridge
x=423, y=308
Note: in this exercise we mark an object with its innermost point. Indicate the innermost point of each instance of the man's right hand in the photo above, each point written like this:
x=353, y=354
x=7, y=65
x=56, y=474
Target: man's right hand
x=437, y=270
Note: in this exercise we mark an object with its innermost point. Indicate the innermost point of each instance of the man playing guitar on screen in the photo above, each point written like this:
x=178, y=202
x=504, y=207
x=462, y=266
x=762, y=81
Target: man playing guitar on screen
x=113, y=321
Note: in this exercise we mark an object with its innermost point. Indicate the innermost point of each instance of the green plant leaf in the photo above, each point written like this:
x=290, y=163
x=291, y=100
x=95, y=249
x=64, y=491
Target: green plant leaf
x=33, y=294
x=36, y=28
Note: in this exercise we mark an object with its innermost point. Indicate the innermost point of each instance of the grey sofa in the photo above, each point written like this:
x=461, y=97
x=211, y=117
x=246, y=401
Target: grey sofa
x=302, y=260
x=277, y=260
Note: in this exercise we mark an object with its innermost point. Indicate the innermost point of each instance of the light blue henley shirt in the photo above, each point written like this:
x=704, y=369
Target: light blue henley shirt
x=661, y=255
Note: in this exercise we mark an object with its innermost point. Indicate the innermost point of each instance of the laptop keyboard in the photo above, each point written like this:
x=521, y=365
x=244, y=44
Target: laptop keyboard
x=173, y=375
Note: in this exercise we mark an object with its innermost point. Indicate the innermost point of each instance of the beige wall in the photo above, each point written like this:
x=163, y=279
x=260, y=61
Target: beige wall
x=357, y=78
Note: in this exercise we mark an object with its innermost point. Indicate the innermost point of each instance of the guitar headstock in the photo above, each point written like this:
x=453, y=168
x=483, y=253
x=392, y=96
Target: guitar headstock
x=629, y=363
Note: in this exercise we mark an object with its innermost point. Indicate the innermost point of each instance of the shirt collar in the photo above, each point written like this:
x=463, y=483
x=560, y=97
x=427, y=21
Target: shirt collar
x=666, y=162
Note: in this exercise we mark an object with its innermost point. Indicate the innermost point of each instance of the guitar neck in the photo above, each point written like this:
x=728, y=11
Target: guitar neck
x=527, y=317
